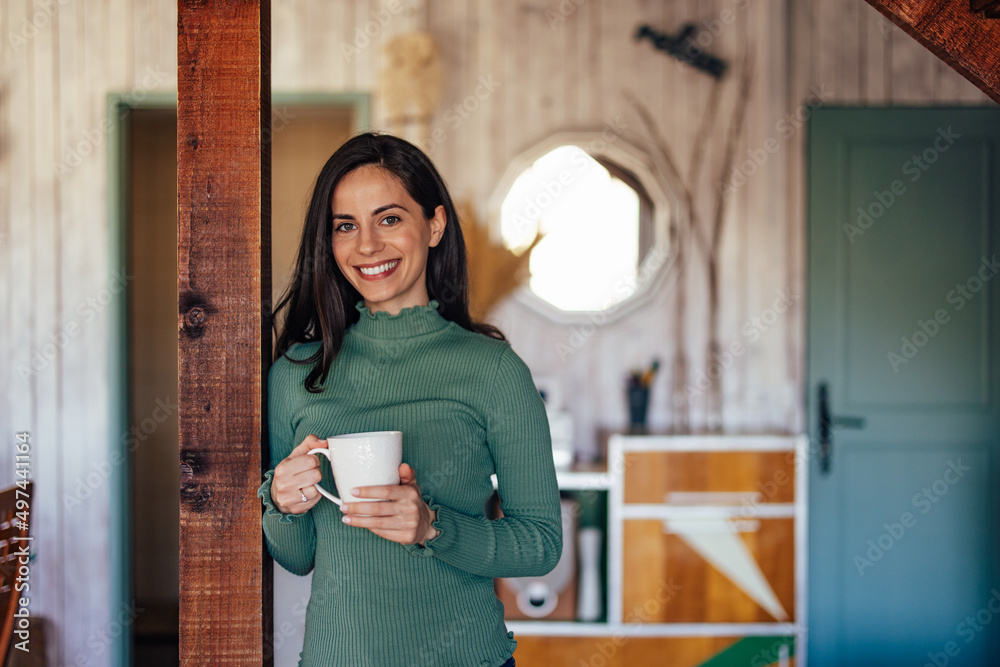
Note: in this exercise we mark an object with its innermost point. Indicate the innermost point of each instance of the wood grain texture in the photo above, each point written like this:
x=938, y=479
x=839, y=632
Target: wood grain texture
x=987, y=8
x=699, y=593
x=651, y=476
x=618, y=651
x=950, y=30
x=223, y=179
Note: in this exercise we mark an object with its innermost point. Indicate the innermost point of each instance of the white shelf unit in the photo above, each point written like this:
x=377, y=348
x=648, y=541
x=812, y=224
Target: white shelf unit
x=568, y=480
x=612, y=480
x=607, y=629
x=619, y=511
x=578, y=480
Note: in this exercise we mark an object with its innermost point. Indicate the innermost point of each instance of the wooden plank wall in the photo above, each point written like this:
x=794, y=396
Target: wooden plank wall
x=61, y=58
x=59, y=61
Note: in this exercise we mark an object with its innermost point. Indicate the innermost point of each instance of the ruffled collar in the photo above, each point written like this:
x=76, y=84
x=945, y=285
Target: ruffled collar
x=413, y=321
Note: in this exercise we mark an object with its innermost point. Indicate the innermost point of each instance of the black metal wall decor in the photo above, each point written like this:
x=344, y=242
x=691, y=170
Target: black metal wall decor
x=684, y=48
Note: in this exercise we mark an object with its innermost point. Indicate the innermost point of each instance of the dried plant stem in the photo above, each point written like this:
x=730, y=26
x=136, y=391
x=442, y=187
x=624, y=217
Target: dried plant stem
x=680, y=422
x=733, y=137
x=697, y=153
x=707, y=239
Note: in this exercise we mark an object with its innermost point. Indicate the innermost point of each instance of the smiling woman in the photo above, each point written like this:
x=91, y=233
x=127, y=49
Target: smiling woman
x=319, y=302
x=378, y=337
x=381, y=239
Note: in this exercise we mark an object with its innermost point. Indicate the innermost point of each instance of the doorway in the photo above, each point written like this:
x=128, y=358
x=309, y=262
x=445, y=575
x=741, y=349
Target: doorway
x=306, y=129
x=151, y=235
x=904, y=386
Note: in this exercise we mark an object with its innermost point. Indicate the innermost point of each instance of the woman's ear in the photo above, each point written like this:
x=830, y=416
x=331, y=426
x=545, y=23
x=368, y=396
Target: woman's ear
x=438, y=223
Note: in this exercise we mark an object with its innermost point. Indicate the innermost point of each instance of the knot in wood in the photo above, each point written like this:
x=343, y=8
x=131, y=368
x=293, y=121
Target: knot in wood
x=196, y=317
x=194, y=309
x=194, y=496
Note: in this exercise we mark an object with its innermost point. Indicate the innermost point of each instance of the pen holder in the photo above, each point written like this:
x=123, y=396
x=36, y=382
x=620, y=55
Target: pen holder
x=638, y=406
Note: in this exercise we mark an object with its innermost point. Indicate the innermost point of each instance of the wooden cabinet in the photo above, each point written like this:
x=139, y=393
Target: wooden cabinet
x=656, y=559
x=618, y=651
x=706, y=557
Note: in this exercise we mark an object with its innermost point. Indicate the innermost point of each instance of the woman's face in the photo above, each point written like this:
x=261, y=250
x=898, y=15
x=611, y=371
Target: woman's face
x=381, y=239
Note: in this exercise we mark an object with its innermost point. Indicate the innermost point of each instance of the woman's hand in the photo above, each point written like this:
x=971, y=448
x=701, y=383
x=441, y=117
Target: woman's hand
x=295, y=478
x=404, y=517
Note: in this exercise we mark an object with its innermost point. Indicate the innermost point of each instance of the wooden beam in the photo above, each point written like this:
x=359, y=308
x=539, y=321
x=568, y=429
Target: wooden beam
x=224, y=345
x=986, y=8
x=951, y=31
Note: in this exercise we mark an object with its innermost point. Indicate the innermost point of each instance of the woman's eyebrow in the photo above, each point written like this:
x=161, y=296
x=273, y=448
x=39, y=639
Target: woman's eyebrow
x=380, y=209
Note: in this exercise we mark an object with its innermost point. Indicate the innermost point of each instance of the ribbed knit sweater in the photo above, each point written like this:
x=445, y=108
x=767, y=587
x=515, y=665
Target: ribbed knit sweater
x=468, y=408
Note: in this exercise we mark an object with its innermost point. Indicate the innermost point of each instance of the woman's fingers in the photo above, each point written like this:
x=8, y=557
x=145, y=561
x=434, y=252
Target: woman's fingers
x=311, y=495
x=403, y=528
x=298, y=461
x=407, y=475
x=399, y=491
x=295, y=476
x=310, y=442
x=296, y=472
x=407, y=487
x=394, y=499
x=307, y=478
x=291, y=467
x=289, y=484
x=401, y=516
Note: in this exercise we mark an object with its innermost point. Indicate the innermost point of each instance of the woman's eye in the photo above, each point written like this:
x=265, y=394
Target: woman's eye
x=344, y=227
x=391, y=220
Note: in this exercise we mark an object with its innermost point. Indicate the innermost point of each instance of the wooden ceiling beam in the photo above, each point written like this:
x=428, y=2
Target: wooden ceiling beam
x=986, y=8
x=950, y=29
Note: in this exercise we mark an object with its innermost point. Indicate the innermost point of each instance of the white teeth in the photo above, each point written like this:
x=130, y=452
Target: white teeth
x=381, y=268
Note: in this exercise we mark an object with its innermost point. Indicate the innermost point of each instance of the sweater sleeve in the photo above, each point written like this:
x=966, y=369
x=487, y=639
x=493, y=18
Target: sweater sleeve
x=527, y=540
x=291, y=538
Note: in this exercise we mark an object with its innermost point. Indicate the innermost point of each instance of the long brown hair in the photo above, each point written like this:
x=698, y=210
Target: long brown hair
x=320, y=301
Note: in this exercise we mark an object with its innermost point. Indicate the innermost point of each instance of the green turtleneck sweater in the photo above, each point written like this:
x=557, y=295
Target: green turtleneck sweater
x=468, y=408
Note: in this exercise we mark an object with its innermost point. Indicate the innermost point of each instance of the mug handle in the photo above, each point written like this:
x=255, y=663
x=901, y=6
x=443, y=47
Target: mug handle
x=325, y=451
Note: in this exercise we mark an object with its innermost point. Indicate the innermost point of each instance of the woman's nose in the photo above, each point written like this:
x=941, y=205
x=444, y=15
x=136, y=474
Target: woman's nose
x=368, y=240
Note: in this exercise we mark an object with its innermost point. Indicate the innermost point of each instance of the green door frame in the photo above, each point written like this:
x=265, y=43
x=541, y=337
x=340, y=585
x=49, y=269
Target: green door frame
x=119, y=108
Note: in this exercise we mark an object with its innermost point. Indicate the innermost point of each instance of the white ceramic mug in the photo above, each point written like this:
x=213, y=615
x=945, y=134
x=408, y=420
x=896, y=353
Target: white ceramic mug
x=362, y=459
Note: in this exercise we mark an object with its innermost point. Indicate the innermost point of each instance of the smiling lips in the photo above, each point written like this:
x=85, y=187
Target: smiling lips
x=378, y=271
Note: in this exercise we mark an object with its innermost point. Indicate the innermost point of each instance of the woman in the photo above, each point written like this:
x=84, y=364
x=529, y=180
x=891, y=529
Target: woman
x=377, y=336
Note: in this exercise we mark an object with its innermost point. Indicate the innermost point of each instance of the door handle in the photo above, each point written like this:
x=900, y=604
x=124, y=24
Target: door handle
x=825, y=442
x=828, y=424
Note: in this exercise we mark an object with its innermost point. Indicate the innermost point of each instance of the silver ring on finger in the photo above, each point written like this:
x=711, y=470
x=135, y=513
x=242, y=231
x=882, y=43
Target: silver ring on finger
x=302, y=494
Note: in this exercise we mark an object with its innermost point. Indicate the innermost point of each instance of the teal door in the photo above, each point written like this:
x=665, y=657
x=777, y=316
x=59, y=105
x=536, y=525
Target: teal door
x=903, y=322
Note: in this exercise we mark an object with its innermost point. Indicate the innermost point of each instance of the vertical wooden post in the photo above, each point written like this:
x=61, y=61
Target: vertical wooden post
x=223, y=283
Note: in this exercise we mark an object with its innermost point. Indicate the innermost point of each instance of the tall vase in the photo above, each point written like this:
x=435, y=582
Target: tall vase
x=589, y=606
